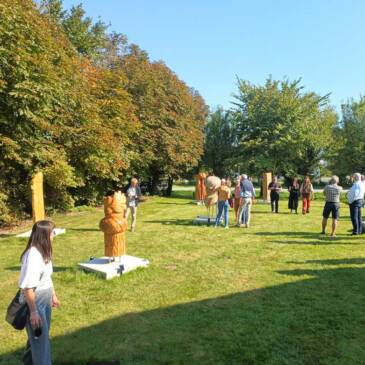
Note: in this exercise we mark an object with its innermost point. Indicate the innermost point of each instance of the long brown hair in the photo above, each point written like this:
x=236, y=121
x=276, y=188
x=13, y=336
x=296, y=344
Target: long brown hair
x=40, y=238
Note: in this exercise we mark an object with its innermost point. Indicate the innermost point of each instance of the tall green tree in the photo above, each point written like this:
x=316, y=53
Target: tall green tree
x=219, y=144
x=349, y=135
x=172, y=119
x=281, y=128
x=58, y=112
x=89, y=38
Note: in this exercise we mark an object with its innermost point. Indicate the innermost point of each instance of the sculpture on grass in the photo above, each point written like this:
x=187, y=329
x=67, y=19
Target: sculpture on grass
x=114, y=225
x=200, y=190
x=212, y=184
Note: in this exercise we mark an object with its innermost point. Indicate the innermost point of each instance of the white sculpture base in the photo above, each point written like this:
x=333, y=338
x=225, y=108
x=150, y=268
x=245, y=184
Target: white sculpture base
x=204, y=220
x=28, y=233
x=116, y=268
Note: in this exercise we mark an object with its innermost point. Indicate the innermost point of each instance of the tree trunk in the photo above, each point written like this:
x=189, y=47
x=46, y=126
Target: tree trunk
x=169, y=186
x=154, y=183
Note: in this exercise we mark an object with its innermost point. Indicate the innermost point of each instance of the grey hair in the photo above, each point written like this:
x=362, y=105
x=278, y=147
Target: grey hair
x=334, y=180
x=244, y=176
x=357, y=176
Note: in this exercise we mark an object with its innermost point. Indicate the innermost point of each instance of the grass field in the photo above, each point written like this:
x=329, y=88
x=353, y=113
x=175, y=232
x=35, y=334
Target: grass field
x=276, y=293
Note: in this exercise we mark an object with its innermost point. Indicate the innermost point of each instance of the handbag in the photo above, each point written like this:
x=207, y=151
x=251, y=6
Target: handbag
x=17, y=312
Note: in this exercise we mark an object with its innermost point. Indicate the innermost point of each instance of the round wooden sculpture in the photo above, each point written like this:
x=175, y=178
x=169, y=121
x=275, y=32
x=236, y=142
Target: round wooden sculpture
x=114, y=225
x=212, y=184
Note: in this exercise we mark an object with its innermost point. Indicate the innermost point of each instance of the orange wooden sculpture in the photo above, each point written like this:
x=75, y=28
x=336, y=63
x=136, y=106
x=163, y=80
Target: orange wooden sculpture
x=200, y=191
x=114, y=225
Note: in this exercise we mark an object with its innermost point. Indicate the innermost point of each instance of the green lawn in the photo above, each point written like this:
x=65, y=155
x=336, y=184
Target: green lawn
x=275, y=293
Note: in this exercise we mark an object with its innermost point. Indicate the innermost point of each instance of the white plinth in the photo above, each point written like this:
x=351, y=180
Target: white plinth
x=56, y=230
x=204, y=220
x=112, y=269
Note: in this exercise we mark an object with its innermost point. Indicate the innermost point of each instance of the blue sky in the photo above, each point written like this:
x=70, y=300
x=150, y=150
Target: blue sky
x=208, y=42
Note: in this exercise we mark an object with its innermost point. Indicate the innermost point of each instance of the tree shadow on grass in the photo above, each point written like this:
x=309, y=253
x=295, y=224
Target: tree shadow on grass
x=55, y=268
x=84, y=229
x=310, y=238
x=353, y=261
x=7, y=235
x=317, y=318
x=173, y=222
x=290, y=233
x=175, y=203
x=268, y=212
x=183, y=194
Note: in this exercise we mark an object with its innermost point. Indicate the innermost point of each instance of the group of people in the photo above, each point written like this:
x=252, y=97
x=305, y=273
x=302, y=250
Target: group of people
x=355, y=198
x=296, y=190
x=244, y=196
x=36, y=283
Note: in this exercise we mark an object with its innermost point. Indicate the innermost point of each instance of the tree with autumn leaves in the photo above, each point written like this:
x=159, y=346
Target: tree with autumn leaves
x=86, y=108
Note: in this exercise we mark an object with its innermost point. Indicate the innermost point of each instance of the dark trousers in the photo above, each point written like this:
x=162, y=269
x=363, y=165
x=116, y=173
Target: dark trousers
x=274, y=197
x=293, y=201
x=27, y=356
x=355, y=212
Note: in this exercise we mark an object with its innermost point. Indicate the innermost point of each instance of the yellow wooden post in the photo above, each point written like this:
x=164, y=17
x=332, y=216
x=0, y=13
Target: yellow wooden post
x=266, y=179
x=37, y=197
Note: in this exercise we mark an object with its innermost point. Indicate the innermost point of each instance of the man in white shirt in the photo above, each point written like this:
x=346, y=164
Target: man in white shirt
x=355, y=198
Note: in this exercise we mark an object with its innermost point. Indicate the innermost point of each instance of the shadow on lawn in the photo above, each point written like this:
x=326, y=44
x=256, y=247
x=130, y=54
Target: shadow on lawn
x=290, y=234
x=172, y=203
x=183, y=194
x=173, y=222
x=316, y=320
x=310, y=238
x=7, y=235
x=55, y=268
x=84, y=229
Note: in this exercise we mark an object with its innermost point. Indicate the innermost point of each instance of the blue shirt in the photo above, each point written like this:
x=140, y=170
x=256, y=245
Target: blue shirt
x=356, y=192
x=247, y=189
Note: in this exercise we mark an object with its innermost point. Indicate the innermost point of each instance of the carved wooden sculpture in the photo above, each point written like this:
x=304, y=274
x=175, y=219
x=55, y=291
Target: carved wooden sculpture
x=266, y=179
x=37, y=197
x=114, y=225
x=200, y=191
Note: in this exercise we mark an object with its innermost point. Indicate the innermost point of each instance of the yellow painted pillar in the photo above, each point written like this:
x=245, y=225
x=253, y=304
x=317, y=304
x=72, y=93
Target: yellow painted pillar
x=266, y=179
x=37, y=197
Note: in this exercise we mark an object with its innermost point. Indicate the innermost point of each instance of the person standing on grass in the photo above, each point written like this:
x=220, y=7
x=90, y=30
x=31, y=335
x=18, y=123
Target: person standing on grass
x=294, y=193
x=37, y=290
x=307, y=192
x=247, y=194
x=224, y=193
x=355, y=198
x=332, y=193
x=133, y=196
x=275, y=189
x=237, y=197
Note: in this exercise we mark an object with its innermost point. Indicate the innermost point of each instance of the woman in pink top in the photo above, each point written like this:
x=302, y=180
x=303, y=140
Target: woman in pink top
x=237, y=196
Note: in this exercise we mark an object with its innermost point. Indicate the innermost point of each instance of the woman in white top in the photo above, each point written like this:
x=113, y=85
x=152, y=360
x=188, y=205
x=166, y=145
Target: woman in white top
x=38, y=291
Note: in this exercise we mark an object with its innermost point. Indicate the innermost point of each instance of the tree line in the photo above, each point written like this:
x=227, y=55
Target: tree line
x=282, y=128
x=87, y=108
x=91, y=110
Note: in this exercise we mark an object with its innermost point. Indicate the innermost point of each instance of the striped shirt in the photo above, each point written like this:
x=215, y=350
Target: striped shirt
x=332, y=193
